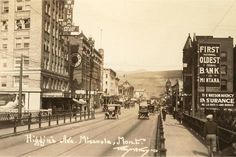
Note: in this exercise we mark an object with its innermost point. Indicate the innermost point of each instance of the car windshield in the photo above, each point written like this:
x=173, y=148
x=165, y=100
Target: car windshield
x=111, y=108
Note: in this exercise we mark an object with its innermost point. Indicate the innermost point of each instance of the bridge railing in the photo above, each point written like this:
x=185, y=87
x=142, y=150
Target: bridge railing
x=44, y=121
x=225, y=136
x=10, y=114
x=160, y=139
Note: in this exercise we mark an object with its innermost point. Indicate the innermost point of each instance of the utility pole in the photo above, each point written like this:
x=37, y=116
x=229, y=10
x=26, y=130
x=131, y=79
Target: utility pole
x=20, y=88
x=193, y=85
x=91, y=75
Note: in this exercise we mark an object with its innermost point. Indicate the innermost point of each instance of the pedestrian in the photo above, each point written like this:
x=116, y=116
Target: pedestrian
x=181, y=116
x=211, y=132
x=164, y=114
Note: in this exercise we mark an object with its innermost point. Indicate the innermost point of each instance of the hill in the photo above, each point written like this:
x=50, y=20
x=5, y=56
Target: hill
x=152, y=81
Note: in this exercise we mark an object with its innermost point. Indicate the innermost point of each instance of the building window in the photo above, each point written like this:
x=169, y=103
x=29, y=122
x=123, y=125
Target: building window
x=3, y=81
x=4, y=25
x=19, y=8
x=5, y=7
x=223, y=69
x=4, y=65
x=26, y=45
x=4, y=46
x=223, y=56
x=18, y=45
x=25, y=62
x=25, y=80
x=27, y=23
x=18, y=24
x=223, y=85
x=22, y=24
x=106, y=82
x=27, y=7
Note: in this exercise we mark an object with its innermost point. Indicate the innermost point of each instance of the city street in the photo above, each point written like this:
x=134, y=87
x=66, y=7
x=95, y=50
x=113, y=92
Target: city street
x=126, y=136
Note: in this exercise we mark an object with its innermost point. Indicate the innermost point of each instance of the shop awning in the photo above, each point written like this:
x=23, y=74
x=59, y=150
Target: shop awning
x=80, y=101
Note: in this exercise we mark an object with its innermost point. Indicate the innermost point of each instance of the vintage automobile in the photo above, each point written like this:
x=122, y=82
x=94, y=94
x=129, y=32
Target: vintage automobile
x=151, y=108
x=113, y=111
x=143, y=111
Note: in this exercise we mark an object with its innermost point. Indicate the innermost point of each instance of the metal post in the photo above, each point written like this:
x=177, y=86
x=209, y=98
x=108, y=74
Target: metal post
x=49, y=120
x=29, y=121
x=76, y=116
x=64, y=118
x=57, y=119
x=80, y=114
x=70, y=116
x=15, y=124
x=20, y=89
x=40, y=118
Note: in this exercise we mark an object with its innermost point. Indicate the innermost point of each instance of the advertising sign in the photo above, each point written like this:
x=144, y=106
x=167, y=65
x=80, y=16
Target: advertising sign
x=209, y=65
x=216, y=100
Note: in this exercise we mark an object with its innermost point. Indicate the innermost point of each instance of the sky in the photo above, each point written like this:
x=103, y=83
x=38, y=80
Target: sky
x=150, y=34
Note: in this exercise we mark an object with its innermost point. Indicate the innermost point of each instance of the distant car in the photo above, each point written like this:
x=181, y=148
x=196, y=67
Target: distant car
x=151, y=108
x=143, y=111
x=113, y=111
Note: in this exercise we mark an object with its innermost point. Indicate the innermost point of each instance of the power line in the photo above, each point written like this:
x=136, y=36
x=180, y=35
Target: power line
x=223, y=17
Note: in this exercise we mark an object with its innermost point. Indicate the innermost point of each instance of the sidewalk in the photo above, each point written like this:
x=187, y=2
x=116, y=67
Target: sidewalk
x=180, y=142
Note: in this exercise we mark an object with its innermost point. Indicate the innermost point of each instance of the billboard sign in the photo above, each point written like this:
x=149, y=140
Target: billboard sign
x=209, y=64
x=216, y=100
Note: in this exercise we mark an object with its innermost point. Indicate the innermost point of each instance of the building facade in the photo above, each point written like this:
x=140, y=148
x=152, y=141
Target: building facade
x=126, y=90
x=110, y=82
x=88, y=75
x=207, y=68
x=32, y=29
x=140, y=93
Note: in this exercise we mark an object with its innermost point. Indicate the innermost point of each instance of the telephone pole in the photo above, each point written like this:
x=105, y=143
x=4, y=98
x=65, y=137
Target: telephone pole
x=20, y=88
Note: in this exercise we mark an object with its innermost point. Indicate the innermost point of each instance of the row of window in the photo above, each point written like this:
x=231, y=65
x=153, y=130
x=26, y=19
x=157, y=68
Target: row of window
x=54, y=84
x=16, y=80
x=19, y=24
x=18, y=45
x=20, y=6
x=58, y=11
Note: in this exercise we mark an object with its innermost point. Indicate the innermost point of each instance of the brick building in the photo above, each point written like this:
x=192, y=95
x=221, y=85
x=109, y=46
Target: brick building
x=32, y=29
x=207, y=68
x=88, y=75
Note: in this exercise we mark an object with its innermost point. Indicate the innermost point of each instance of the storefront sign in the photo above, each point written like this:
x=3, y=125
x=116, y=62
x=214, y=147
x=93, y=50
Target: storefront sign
x=216, y=100
x=209, y=65
x=56, y=95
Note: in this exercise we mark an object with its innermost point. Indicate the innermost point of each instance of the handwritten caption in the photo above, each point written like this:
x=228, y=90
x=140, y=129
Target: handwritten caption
x=120, y=144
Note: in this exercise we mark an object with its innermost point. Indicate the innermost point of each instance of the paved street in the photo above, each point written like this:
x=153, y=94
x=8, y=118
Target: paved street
x=126, y=136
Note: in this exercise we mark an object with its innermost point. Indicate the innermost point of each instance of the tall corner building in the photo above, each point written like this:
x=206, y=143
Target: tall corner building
x=32, y=28
x=208, y=67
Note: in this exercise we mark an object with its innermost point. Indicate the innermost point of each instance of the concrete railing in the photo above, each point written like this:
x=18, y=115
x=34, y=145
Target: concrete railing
x=160, y=139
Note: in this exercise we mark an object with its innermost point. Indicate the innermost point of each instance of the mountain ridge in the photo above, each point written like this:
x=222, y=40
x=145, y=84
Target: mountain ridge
x=152, y=81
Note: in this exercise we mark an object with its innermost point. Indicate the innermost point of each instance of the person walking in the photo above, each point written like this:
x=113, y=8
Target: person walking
x=164, y=114
x=181, y=116
x=211, y=132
